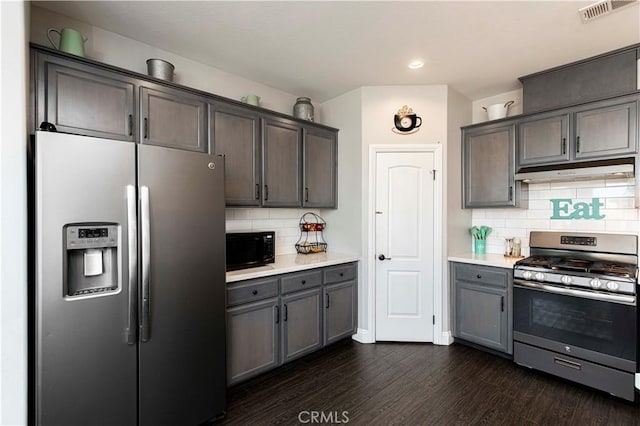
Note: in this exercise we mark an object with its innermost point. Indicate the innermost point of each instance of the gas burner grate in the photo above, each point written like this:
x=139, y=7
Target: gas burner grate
x=615, y=269
x=539, y=261
x=569, y=264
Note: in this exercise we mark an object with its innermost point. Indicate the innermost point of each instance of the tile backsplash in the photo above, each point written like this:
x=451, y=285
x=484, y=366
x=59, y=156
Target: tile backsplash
x=285, y=222
x=617, y=197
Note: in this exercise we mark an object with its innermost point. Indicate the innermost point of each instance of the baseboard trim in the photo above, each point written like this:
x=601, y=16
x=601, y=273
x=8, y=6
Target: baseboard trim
x=445, y=338
x=363, y=336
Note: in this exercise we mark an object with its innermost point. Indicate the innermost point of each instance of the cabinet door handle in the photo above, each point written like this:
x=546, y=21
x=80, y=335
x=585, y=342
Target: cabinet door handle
x=564, y=146
x=146, y=127
x=303, y=282
x=266, y=192
x=286, y=313
x=568, y=364
x=257, y=191
x=501, y=303
x=479, y=276
x=328, y=303
x=254, y=292
x=306, y=195
x=130, y=124
x=511, y=193
x=277, y=309
x=578, y=144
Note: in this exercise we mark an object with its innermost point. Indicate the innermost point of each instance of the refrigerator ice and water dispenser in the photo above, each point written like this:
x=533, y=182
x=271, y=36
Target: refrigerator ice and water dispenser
x=91, y=259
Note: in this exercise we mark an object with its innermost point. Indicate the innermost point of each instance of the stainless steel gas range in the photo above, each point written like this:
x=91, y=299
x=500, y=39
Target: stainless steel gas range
x=575, y=309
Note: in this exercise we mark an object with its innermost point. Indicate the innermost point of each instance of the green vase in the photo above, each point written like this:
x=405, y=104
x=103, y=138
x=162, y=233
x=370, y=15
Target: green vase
x=480, y=246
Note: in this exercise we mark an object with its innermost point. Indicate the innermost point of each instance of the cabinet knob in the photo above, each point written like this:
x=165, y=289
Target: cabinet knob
x=304, y=282
x=254, y=292
x=342, y=274
x=478, y=276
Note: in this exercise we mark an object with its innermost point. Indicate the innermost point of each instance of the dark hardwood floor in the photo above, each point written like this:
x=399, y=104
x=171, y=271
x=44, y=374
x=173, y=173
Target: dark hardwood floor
x=417, y=384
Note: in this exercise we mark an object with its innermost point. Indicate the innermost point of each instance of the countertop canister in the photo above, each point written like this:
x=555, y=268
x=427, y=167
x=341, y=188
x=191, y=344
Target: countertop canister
x=303, y=109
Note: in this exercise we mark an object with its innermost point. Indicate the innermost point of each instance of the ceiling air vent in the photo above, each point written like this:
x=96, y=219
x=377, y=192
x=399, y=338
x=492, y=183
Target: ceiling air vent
x=601, y=8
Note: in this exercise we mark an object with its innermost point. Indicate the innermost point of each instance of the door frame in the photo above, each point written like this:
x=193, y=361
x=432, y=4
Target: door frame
x=440, y=336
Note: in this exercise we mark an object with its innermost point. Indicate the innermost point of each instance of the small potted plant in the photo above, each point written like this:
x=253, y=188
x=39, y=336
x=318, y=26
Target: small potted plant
x=480, y=235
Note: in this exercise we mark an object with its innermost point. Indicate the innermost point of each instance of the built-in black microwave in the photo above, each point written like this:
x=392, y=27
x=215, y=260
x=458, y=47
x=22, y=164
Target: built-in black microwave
x=250, y=249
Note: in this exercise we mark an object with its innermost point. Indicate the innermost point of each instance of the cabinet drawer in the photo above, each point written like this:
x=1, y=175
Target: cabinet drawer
x=251, y=291
x=301, y=281
x=336, y=274
x=482, y=274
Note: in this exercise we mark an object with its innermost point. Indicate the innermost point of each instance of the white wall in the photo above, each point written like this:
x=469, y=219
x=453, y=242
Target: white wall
x=123, y=52
x=14, y=29
x=344, y=227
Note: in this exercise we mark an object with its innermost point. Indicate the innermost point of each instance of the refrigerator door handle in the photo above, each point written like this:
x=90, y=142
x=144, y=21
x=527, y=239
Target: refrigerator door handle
x=145, y=332
x=132, y=237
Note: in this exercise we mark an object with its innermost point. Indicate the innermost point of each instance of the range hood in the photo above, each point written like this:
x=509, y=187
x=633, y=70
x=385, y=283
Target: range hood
x=578, y=171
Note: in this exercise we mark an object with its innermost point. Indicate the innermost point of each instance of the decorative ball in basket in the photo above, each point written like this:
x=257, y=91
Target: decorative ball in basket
x=311, y=239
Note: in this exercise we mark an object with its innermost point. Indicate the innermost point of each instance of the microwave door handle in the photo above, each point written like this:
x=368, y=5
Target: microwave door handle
x=132, y=246
x=145, y=332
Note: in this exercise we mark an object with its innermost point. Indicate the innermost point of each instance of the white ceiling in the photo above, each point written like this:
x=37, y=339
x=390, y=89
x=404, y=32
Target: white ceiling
x=323, y=49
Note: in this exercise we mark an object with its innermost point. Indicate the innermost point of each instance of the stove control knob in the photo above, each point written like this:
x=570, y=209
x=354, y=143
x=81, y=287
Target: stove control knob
x=612, y=285
x=566, y=279
x=539, y=276
x=595, y=283
x=527, y=275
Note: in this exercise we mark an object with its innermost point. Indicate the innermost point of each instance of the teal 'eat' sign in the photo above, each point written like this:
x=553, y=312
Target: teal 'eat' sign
x=564, y=208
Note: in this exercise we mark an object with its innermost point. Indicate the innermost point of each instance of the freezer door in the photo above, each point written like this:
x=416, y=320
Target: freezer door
x=85, y=359
x=182, y=317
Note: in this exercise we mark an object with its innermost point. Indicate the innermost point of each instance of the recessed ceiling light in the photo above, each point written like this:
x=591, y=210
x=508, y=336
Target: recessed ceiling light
x=414, y=65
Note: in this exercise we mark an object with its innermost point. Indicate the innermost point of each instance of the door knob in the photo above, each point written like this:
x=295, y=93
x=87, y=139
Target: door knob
x=382, y=257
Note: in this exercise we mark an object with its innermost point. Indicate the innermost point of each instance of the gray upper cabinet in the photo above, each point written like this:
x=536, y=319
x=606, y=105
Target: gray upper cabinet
x=84, y=100
x=594, y=131
x=489, y=166
x=234, y=133
x=606, y=129
x=173, y=118
x=543, y=139
x=604, y=76
x=320, y=168
x=281, y=163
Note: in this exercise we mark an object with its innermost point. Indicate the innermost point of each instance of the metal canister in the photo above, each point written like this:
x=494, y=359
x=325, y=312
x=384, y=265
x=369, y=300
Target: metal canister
x=161, y=69
x=303, y=109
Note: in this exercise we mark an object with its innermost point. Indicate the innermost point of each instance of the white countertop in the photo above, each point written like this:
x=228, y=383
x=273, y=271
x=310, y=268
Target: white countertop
x=292, y=263
x=489, y=259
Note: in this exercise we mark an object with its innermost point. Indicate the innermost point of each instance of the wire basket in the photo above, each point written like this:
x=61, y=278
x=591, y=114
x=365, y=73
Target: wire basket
x=311, y=239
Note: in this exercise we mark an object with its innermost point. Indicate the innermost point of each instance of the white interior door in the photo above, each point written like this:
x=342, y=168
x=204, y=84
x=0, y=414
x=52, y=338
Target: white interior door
x=404, y=234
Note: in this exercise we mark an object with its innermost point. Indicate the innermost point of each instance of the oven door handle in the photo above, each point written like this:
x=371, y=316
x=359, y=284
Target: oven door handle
x=626, y=300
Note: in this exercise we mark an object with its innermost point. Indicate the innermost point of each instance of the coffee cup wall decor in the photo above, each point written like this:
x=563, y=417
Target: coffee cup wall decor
x=406, y=121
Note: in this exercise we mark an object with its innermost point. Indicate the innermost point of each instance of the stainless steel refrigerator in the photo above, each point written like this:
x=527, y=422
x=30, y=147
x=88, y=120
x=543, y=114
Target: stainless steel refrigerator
x=128, y=323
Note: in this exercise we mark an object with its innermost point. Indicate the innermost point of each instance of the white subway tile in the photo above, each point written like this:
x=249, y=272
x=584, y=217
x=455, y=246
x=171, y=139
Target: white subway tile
x=494, y=223
x=528, y=223
x=622, y=226
x=238, y=225
x=543, y=204
x=620, y=203
x=552, y=193
x=610, y=191
x=578, y=225
x=620, y=182
x=620, y=214
x=578, y=184
x=538, y=186
x=539, y=214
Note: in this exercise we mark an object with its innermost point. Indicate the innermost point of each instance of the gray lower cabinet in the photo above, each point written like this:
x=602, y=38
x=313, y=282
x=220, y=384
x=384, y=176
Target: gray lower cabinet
x=320, y=168
x=339, y=311
x=253, y=339
x=173, y=118
x=274, y=320
x=301, y=323
x=234, y=132
x=482, y=299
x=281, y=163
x=83, y=100
x=489, y=166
